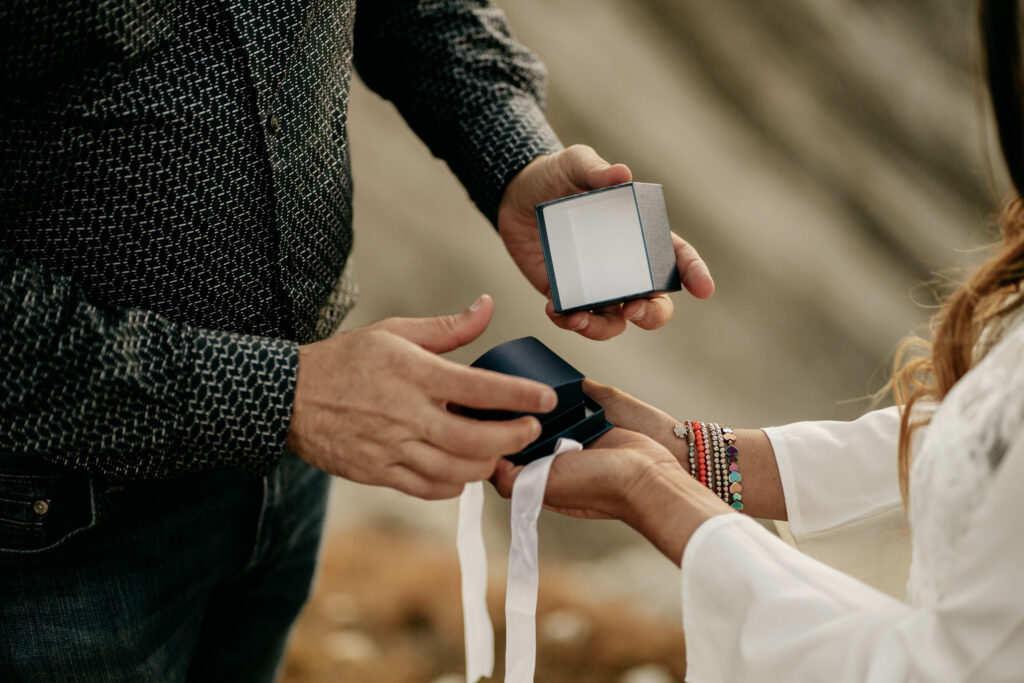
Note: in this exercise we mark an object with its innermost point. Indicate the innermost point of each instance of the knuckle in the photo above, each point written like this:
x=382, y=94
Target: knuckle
x=441, y=471
x=443, y=491
x=445, y=330
x=485, y=469
x=437, y=433
x=579, y=152
x=463, y=441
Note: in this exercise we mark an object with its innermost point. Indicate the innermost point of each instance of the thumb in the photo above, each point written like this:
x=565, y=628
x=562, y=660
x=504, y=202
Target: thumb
x=585, y=168
x=444, y=333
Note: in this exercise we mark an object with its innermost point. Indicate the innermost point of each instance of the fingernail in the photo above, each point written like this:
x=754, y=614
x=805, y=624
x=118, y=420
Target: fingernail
x=536, y=430
x=639, y=314
x=476, y=304
x=548, y=401
x=584, y=321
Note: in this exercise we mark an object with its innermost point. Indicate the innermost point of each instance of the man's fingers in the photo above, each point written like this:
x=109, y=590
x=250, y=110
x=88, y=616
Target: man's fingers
x=472, y=439
x=407, y=480
x=560, y=319
x=486, y=389
x=692, y=270
x=649, y=314
x=443, y=333
x=440, y=466
x=599, y=324
x=586, y=169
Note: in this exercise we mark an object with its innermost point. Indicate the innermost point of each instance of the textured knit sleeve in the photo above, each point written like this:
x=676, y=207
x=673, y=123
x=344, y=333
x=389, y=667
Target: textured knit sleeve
x=843, y=501
x=755, y=609
x=129, y=393
x=464, y=85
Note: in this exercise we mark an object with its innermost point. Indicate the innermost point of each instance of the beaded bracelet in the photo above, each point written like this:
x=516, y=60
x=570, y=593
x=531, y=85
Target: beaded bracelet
x=685, y=431
x=735, y=478
x=700, y=438
x=713, y=455
x=713, y=459
x=721, y=464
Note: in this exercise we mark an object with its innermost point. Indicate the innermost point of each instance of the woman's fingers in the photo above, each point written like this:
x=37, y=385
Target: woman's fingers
x=620, y=408
x=623, y=410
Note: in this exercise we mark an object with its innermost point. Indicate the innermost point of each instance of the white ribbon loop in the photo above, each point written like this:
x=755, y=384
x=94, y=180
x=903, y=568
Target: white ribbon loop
x=473, y=566
x=523, y=572
x=523, y=575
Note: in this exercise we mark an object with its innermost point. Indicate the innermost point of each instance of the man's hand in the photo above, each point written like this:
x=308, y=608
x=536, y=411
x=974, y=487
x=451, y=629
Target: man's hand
x=371, y=406
x=573, y=170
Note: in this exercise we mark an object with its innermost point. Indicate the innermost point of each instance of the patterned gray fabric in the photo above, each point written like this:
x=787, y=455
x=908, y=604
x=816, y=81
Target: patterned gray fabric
x=176, y=205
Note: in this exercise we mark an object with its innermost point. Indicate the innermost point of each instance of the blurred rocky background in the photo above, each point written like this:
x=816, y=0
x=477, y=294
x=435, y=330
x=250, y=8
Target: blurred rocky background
x=829, y=159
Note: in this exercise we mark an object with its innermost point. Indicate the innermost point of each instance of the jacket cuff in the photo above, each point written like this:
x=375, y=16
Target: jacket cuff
x=239, y=400
x=486, y=168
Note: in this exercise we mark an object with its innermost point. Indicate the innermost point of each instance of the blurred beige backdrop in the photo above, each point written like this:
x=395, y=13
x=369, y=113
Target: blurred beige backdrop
x=824, y=156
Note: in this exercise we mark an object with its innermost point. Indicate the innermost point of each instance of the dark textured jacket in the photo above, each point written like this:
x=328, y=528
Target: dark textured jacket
x=176, y=205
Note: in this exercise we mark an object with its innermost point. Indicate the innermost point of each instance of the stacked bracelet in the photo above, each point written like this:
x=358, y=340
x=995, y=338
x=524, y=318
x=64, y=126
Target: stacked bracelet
x=735, y=478
x=713, y=459
x=721, y=465
x=700, y=436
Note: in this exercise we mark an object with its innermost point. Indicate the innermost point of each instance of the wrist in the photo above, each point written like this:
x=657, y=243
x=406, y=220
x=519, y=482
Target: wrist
x=241, y=394
x=667, y=506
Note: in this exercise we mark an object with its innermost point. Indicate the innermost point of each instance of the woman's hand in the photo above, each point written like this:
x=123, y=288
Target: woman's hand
x=601, y=481
x=763, y=495
x=625, y=411
x=627, y=476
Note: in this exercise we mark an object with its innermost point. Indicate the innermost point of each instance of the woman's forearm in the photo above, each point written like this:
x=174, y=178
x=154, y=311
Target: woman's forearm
x=669, y=508
x=671, y=505
x=762, y=487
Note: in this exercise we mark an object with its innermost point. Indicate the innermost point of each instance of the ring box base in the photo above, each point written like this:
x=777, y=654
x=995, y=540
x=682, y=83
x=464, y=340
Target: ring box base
x=577, y=416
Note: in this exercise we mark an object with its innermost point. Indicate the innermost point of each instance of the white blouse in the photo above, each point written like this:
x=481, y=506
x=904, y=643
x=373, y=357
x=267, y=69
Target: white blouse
x=756, y=609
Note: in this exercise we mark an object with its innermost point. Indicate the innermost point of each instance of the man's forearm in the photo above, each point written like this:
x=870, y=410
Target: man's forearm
x=465, y=86
x=129, y=393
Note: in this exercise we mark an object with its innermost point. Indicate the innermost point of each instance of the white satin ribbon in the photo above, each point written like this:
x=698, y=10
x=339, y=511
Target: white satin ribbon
x=473, y=566
x=523, y=574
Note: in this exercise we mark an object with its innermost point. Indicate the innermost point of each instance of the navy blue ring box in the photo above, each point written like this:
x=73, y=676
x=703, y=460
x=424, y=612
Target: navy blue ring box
x=577, y=416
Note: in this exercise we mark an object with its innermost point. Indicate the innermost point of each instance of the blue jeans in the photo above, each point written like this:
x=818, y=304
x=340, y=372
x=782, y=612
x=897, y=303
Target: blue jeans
x=191, y=579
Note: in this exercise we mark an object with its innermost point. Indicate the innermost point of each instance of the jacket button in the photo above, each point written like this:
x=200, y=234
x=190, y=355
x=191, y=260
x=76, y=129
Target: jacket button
x=40, y=507
x=274, y=124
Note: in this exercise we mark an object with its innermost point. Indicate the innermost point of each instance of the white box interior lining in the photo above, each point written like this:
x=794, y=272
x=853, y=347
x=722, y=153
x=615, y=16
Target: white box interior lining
x=597, y=248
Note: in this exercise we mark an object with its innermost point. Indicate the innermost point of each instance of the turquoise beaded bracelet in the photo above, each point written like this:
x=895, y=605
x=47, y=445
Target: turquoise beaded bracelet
x=717, y=464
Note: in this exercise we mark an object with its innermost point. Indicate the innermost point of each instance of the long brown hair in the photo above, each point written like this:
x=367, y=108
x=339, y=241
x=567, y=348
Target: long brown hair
x=988, y=295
